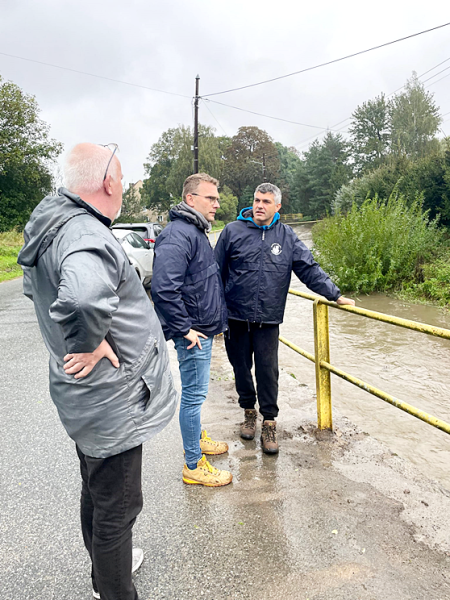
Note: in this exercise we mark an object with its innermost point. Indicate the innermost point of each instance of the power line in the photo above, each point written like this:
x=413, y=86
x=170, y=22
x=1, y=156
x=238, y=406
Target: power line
x=262, y=115
x=39, y=62
x=205, y=100
x=432, y=68
x=437, y=81
x=211, y=113
x=304, y=143
x=435, y=75
x=330, y=62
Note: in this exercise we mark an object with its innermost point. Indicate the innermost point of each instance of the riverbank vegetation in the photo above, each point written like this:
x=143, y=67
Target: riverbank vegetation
x=377, y=246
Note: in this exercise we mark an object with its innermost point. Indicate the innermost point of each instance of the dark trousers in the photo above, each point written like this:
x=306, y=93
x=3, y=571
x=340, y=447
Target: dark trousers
x=111, y=499
x=245, y=341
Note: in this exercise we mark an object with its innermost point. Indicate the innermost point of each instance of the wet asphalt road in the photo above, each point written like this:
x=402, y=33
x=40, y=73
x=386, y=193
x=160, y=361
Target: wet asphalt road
x=333, y=518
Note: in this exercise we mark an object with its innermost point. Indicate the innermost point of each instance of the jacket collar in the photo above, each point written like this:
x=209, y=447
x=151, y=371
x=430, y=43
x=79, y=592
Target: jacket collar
x=189, y=214
x=91, y=209
x=246, y=214
x=47, y=219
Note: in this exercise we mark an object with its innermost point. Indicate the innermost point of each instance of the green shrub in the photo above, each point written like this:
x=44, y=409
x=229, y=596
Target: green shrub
x=376, y=246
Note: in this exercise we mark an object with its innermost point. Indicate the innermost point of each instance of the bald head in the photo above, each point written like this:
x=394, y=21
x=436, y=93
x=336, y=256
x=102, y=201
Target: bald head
x=85, y=168
x=84, y=175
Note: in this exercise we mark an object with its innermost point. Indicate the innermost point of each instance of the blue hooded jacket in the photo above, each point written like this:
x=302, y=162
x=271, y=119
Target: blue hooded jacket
x=256, y=263
x=186, y=286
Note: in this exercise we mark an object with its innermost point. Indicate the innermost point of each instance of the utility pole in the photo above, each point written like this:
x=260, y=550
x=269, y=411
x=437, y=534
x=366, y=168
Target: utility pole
x=197, y=80
x=263, y=164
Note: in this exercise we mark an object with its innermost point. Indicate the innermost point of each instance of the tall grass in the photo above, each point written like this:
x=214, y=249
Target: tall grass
x=10, y=244
x=377, y=246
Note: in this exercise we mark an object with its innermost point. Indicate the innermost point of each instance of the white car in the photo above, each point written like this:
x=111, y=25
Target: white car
x=139, y=253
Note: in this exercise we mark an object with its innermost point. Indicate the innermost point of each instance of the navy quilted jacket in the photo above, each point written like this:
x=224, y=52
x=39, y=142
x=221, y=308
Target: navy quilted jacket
x=256, y=265
x=186, y=285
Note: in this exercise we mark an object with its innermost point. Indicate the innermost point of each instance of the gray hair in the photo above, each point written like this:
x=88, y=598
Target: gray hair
x=85, y=168
x=269, y=188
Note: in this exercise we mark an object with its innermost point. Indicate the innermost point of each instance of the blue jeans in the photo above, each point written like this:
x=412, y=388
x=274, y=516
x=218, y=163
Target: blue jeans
x=194, y=371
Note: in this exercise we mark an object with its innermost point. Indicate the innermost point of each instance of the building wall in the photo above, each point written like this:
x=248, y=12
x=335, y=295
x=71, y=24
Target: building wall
x=152, y=216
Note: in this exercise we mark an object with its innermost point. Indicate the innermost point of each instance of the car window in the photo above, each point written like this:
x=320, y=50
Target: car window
x=136, y=241
x=129, y=226
x=157, y=229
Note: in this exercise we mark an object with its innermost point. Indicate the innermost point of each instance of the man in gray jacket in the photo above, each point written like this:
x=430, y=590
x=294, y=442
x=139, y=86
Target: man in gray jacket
x=109, y=369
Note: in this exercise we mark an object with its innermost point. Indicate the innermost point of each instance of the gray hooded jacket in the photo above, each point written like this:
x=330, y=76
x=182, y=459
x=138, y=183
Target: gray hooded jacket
x=84, y=290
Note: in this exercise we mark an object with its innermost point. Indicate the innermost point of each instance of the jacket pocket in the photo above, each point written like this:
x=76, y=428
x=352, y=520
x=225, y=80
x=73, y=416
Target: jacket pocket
x=109, y=338
x=151, y=349
x=210, y=299
x=158, y=380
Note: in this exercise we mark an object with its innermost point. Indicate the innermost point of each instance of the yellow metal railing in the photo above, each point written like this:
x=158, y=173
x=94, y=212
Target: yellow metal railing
x=295, y=219
x=290, y=217
x=324, y=368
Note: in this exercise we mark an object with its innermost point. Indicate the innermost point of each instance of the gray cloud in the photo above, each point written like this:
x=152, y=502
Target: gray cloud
x=164, y=45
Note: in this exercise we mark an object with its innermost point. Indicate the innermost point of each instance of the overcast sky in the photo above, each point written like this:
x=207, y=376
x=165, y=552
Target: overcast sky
x=164, y=45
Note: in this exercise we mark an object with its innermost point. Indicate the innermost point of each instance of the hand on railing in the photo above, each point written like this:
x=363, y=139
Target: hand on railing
x=343, y=300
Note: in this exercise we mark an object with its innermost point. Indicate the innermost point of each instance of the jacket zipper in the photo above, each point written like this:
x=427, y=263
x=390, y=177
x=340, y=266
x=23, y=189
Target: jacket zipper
x=259, y=275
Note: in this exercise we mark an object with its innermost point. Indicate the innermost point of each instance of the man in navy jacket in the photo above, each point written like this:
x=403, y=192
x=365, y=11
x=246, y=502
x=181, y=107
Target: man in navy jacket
x=256, y=255
x=188, y=295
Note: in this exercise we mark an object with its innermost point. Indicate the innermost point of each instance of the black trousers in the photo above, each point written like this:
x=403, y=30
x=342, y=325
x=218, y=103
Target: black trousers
x=245, y=342
x=111, y=499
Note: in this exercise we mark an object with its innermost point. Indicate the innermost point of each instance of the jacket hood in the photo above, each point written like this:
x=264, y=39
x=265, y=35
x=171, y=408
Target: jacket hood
x=47, y=219
x=186, y=212
x=246, y=214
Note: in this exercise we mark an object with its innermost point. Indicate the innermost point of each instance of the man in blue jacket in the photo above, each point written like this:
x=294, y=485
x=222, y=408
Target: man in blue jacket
x=188, y=295
x=256, y=255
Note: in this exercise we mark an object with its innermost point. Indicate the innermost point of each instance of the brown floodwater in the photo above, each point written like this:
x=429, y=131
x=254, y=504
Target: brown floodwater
x=407, y=364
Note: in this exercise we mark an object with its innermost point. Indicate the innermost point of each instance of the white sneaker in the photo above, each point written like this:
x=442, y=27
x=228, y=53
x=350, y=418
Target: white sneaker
x=138, y=557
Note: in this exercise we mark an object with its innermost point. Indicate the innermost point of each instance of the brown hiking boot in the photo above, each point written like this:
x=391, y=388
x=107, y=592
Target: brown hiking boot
x=269, y=437
x=248, y=427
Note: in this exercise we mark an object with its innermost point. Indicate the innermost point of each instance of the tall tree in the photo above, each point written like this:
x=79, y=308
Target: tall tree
x=326, y=168
x=414, y=119
x=228, y=206
x=246, y=199
x=289, y=162
x=369, y=133
x=27, y=154
x=132, y=206
x=244, y=157
x=170, y=161
x=301, y=191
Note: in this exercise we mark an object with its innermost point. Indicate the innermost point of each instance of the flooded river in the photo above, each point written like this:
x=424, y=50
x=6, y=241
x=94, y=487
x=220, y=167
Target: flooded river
x=407, y=364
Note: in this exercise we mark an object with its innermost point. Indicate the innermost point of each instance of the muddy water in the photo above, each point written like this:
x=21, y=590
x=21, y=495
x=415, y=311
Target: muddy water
x=410, y=365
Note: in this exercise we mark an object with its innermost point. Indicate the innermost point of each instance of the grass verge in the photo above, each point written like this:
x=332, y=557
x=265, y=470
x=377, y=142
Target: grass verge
x=10, y=244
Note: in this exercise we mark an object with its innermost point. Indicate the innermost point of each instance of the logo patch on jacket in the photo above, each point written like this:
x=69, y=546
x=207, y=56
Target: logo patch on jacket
x=276, y=249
